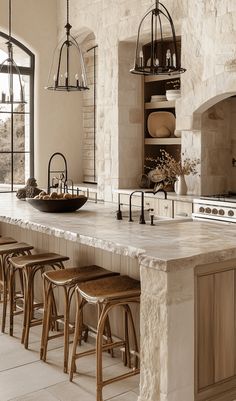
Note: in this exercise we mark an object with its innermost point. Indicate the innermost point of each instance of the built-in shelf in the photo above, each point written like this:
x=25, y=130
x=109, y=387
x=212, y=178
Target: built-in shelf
x=160, y=105
x=163, y=141
x=153, y=78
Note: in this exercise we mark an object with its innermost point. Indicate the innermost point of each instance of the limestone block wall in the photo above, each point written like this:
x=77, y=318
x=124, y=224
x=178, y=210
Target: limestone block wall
x=208, y=54
x=89, y=119
x=215, y=145
x=118, y=130
x=216, y=148
x=130, y=119
x=208, y=31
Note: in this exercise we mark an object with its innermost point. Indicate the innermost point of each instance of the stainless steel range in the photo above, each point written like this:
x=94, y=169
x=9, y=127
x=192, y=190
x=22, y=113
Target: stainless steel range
x=216, y=207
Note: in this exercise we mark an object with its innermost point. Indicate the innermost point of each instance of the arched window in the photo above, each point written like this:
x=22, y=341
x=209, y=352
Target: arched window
x=17, y=122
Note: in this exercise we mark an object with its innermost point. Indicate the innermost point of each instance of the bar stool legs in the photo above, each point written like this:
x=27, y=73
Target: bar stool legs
x=29, y=265
x=50, y=318
x=108, y=293
x=67, y=280
x=29, y=319
x=8, y=280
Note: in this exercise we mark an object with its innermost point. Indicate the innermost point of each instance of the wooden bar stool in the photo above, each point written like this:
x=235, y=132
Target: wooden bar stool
x=7, y=240
x=7, y=251
x=30, y=265
x=4, y=241
x=107, y=293
x=67, y=279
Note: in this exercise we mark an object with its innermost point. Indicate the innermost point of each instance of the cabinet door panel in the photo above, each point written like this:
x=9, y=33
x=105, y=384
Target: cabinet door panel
x=224, y=325
x=205, y=331
x=124, y=199
x=182, y=209
x=165, y=208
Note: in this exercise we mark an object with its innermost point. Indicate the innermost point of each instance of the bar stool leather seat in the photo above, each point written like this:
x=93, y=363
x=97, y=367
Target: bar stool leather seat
x=7, y=240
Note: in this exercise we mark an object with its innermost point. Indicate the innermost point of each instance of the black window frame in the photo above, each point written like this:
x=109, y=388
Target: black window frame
x=29, y=71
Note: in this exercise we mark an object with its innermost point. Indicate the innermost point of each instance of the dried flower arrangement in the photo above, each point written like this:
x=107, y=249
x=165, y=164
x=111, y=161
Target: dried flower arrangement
x=166, y=168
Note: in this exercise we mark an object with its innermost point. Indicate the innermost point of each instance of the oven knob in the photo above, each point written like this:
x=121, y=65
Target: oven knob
x=214, y=211
x=231, y=213
x=208, y=210
x=201, y=209
x=221, y=212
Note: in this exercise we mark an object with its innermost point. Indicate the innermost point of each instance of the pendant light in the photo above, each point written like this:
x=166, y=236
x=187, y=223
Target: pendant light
x=67, y=72
x=159, y=55
x=14, y=94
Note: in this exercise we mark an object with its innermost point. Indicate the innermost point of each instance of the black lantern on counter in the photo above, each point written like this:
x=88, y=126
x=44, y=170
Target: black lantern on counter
x=159, y=55
x=13, y=90
x=67, y=71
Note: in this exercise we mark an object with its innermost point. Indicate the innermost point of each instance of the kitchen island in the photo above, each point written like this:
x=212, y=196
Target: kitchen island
x=187, y=273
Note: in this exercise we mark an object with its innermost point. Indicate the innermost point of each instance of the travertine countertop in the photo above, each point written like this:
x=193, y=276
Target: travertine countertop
x=167, y=245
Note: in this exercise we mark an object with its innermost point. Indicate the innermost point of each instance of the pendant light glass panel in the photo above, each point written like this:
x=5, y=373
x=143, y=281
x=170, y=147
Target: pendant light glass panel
x=13, y=92
x=67, y=71
x=157, y=52
x=12, y=86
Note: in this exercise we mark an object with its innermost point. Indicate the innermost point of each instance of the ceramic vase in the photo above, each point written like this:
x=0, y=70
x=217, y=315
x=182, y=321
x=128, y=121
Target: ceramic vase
x=180, y=185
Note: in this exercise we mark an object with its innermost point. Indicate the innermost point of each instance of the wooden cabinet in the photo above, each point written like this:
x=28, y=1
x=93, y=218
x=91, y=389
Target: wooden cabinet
x=183, y=209
x=215, y=332
x=164, y=208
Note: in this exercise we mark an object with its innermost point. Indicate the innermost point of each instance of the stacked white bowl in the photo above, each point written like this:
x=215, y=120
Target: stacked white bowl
x=158, y=98
x=173, y=94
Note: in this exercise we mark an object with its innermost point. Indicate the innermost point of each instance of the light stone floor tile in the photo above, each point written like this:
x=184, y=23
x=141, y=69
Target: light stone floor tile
x=27, y=379
x=24, y=378
x=136, y=390
x=130, y=396
x=15, y=354
x=42, y=395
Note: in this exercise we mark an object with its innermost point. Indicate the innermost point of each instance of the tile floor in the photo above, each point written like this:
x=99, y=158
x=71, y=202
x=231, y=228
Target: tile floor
x=23, y=377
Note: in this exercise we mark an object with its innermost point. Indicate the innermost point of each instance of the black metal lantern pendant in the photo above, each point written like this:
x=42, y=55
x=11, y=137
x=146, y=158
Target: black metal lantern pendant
x=13, y=92
x=160, y=55
x=67, y=72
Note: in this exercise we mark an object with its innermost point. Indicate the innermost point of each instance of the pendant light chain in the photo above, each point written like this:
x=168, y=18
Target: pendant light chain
x=68, y=12
x=9, y=17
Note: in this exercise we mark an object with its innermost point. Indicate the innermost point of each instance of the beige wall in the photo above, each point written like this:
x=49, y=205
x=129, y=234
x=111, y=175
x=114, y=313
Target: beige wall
x=58, y=117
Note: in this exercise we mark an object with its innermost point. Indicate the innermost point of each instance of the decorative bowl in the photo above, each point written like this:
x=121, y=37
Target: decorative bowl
x=58, y=205
x=173, y=94
x=161, y=124
x=158, y=98
x=178, y=133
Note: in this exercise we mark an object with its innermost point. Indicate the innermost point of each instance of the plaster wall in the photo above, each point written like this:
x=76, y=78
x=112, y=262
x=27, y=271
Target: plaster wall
x=58, y=117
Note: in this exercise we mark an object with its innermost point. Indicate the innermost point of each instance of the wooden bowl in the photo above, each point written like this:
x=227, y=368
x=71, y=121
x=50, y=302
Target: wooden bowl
x=161, y=124
x=58, y=205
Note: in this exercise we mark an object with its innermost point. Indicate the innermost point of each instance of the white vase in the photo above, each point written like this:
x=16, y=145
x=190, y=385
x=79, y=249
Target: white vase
x=180, y=185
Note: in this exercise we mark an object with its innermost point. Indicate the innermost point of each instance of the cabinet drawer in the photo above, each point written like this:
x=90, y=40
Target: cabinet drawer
x=149, y=203
x=164, y=208
x=182, y=209
x=124, y=199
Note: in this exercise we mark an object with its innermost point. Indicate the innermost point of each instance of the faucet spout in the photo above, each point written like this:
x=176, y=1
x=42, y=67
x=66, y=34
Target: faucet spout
x=155, y=192
x=141, y=219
